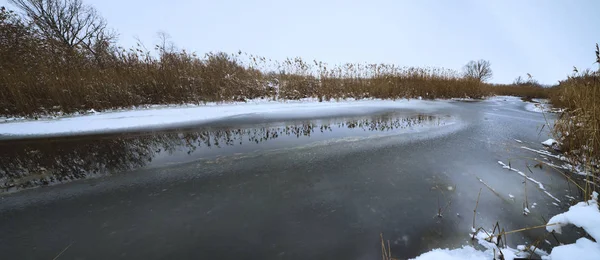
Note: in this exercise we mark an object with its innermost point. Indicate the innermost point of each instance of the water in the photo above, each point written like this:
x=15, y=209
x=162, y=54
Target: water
x=307, y=189
x=37, y=162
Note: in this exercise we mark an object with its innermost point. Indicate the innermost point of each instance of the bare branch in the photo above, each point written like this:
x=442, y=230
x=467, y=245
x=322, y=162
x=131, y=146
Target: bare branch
x=480, y=70
x=69, y=22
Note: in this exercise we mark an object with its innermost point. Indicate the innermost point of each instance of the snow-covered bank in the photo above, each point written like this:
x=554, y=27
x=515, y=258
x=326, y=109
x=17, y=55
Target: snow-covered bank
x=584, y=214
x=485, y=249
x=538, y=107
x=172, y=116
x=541, y=106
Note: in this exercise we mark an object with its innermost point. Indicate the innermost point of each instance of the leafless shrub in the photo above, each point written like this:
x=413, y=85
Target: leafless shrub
x=480, y=70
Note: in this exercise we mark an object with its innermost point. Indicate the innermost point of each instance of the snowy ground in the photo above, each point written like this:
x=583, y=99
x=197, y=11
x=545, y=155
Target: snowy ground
x=584, y=214
x=189, y=114
x=541, y=106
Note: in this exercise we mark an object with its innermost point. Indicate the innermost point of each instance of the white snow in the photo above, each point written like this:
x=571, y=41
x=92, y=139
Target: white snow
x=582, y=249
x=518, y=141
x=470, y=253
x=537, y=107
x=538, y=251
x=550, y=142
x=169, y=116
x=466, y=253
x=585, y=215
x=490, y=250
x=542, y=106
x=546, y=153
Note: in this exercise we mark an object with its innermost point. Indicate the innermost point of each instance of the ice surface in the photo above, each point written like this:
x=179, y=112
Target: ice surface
x=165, y=116
x=540, y=185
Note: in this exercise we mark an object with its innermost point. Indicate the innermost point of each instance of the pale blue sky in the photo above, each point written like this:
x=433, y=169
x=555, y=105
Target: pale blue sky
x=544, y=38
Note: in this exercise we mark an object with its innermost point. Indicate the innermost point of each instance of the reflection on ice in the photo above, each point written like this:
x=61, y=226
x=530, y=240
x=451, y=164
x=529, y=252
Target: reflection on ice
x=32, y=163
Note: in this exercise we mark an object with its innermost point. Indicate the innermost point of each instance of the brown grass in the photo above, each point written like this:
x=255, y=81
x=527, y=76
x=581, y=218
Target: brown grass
x=578, y=128
x=135, y=78
x=40, y=76
x=526, y=91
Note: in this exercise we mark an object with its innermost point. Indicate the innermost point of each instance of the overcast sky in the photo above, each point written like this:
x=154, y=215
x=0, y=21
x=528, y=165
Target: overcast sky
x=543, y=38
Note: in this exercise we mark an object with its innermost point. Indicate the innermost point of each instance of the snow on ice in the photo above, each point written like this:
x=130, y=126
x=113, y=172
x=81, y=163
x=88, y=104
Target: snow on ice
x=471, y=253
x=97, y=122
x=466, y=253
x=540, y=185
x=550, y=142
x=584, y=214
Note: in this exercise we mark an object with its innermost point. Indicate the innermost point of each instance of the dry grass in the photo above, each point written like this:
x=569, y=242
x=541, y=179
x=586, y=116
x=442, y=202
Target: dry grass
x=578, y=128
x=40, y=76
x=135, y=78
x=526, y=91
x=386, y=251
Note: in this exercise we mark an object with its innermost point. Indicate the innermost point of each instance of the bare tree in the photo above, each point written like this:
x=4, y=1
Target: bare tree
x=481, y=70
x=164, y=42
x=518, y=81
x=69, y=22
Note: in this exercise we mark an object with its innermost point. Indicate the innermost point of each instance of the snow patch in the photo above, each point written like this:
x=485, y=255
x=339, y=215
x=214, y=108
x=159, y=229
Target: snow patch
x=537, y=107
x=173, y=116
x=550, y=142
x=542, y=107
x=483, y=238
x=464, y=253
x=585, y=215
x=546, y=153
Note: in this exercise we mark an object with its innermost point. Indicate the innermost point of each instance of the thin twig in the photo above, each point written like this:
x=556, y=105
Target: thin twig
x=523, y=229
x=382, y=247
x=61, y=252
x=476, y=204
